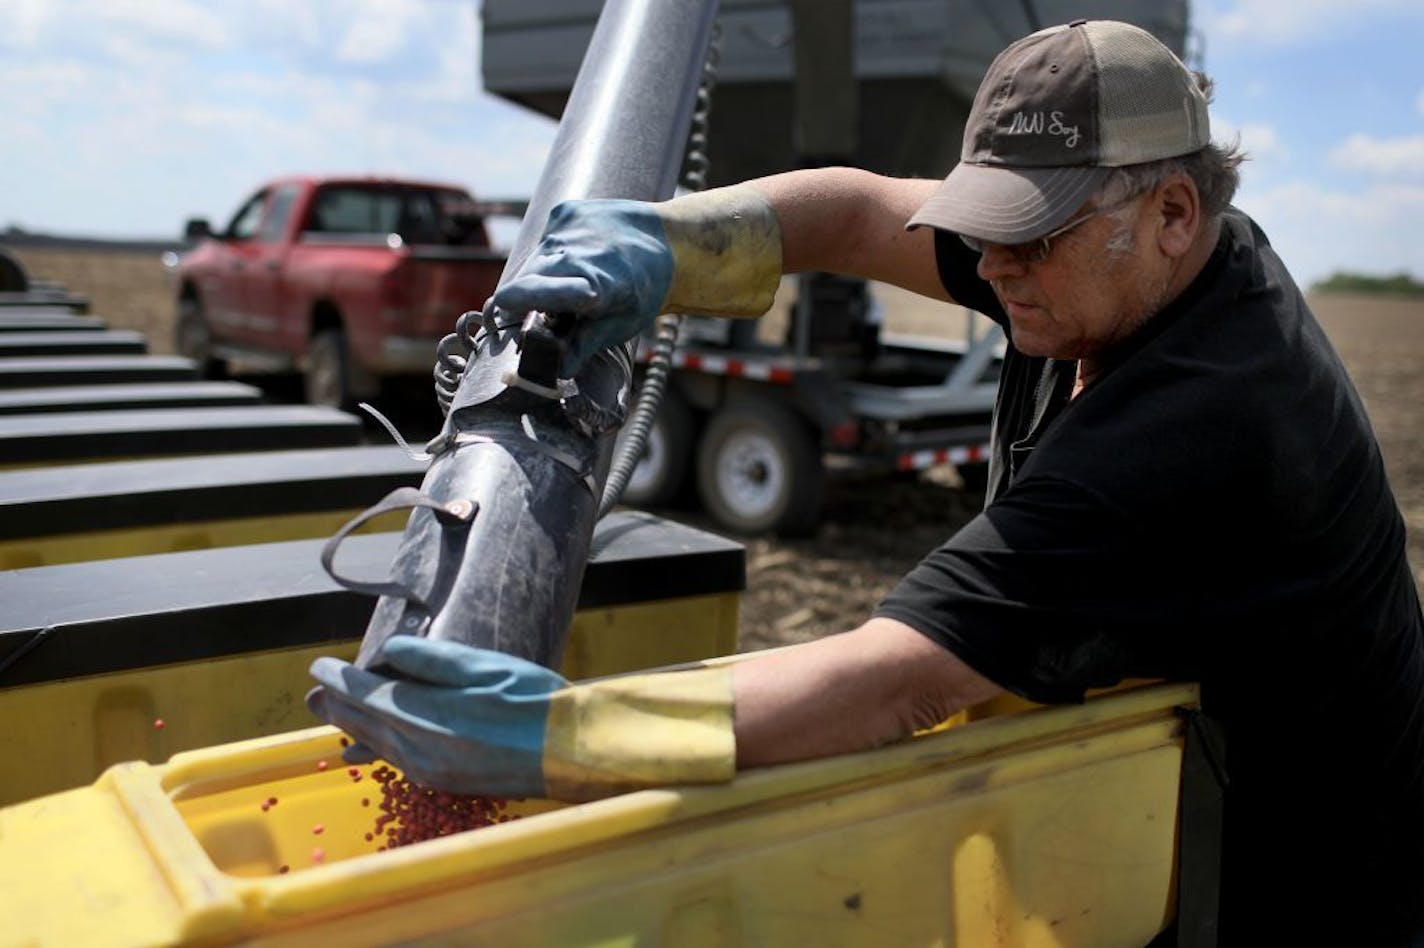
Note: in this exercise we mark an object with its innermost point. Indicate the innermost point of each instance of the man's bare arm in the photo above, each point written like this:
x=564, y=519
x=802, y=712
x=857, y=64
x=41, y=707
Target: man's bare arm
x=860, y=689
x=844, y=220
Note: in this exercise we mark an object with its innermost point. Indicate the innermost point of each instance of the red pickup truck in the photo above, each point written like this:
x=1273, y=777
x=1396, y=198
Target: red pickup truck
x=350, y=280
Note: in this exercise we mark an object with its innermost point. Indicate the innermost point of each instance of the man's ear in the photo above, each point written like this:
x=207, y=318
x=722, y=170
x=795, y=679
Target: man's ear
x=1179, y=205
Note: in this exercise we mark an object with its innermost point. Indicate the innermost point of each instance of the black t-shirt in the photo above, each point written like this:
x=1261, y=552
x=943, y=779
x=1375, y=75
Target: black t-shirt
x=1214, y=508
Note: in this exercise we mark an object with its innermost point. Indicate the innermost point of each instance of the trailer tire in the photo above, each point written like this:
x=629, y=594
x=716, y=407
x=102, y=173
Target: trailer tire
x=759, y=469
x=661, y=474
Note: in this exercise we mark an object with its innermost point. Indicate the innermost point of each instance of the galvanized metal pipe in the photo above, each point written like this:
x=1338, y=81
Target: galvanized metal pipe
x=624, y=129
x=508, y=578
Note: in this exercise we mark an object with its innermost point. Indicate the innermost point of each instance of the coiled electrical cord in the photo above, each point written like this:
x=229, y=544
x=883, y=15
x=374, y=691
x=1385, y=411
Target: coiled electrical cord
x=666, y=328
x=450, y=365
x=640, y=421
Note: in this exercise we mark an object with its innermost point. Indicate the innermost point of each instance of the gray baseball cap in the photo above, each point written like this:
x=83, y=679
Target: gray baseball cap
x=1056, y=112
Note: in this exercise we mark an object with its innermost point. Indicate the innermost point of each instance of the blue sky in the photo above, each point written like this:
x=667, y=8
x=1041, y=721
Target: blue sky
x=124, y=117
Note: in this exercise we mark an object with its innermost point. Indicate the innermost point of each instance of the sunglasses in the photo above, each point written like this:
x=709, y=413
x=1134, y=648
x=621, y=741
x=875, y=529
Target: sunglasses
x=1037, y=251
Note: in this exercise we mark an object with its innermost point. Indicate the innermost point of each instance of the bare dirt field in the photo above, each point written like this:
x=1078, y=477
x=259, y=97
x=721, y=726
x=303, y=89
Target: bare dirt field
x=873, y=531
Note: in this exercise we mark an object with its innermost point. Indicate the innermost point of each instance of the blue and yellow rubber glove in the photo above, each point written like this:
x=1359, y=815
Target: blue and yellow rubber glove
x=475, y=721
x=618, y=265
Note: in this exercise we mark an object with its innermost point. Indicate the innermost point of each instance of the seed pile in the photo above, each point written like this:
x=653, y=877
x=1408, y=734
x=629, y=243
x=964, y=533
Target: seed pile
x=410, y=813
x=407, y=812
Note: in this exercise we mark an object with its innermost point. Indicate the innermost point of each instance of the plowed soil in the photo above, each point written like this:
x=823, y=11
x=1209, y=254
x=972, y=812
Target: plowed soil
x=875, y=530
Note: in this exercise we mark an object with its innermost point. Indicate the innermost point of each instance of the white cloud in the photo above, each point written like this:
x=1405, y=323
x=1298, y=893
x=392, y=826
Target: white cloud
x=206, y=117
x=173, y=20
x=33, y=87
x=299, y=21
x=118, y=125
x=1289, y=21
x=377, y=30
x=459, y=60
x=1395, y=158
x=1320, y=230
x=21, y=21
x=1260, y=141
x=140, y=56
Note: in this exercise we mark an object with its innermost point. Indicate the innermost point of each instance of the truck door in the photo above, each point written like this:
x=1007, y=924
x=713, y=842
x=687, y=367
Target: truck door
x=223, y=291
x=264, y=288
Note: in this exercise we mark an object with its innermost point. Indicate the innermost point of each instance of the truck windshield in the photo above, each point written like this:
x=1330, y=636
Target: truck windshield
x=417, y=215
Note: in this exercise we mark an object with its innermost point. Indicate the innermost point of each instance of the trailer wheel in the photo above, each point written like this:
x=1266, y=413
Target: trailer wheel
x=193, y=339
x=658, y=479
x=759, y=469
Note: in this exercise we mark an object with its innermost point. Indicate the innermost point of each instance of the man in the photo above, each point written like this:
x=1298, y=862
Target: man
x=1184, y=485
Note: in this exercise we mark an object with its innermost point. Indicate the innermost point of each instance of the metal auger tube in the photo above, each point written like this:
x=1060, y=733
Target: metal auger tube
x=532, y=468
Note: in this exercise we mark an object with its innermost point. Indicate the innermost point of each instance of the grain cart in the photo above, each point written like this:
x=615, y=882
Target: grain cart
x=880, y=84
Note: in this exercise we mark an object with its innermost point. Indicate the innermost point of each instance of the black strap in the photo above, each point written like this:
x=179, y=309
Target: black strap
x=452, y=514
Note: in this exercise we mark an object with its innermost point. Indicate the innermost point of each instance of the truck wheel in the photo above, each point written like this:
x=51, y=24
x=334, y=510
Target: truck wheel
x=192, y=339
x=658, y=479
x=329, y=373
x=759, y=469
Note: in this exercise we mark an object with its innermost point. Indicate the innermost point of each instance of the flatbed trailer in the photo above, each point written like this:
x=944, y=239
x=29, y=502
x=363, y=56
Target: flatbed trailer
x=758, y=427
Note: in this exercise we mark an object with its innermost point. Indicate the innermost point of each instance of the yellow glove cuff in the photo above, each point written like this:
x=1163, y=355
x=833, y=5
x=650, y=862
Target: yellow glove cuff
x=639, y=731
x=726, y=248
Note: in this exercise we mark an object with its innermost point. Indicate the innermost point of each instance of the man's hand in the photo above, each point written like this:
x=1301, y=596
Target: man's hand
x=475, y=721
x=605, y=261
x=618, y=264
x=459, y=719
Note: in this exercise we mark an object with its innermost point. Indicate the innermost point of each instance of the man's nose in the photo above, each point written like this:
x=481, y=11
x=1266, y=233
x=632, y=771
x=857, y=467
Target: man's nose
x=998, y=261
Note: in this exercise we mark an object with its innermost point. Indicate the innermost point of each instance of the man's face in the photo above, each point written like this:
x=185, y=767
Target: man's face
x=1099, y=283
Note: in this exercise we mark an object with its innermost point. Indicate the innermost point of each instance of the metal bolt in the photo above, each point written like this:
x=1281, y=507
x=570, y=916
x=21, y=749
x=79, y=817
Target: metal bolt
x=460, y=508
